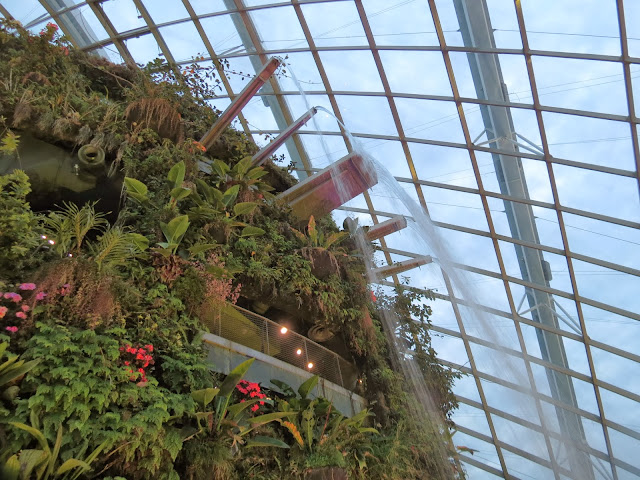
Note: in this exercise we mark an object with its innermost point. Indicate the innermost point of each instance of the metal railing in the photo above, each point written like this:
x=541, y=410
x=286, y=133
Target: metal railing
x=266, y=336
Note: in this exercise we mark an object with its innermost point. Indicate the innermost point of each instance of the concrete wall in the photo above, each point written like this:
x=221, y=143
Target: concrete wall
x=224, y=355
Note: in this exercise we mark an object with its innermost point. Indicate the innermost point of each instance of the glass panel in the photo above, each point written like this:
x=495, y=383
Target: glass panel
x=344, y=77
x=334, y=24
x=449, y=23
x=184, y=41
x=511, y=401
x=459, y=208
x=616, y=370
x=144, y=49
x=402, y=24
x=160, y=12
x=446, y=165
x=603, y=240
x=303, y=66
x=202, y=7
x=621, y=410
x=552, y=26
x=624, y=447
x=610, y=195
x=607, y=286
x=124, y=16
x=428, y=73
x=632, y=19
x=258, y=116
x=279, y=28
x=466, y=385
x=505, y=24
x=222, y=34
x=542, y=268
x=452, y=350
x=536, y=177
x=430, y=119
x=520, y=437
x=26, y=11
x=589, y=140
x=611, y=329
x=366, y=115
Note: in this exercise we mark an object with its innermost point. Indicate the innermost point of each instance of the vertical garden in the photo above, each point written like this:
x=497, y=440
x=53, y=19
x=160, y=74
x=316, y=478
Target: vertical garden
x=116, y=252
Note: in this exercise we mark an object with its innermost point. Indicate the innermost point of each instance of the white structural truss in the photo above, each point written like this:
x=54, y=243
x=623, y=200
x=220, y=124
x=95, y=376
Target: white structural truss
x=513, y=124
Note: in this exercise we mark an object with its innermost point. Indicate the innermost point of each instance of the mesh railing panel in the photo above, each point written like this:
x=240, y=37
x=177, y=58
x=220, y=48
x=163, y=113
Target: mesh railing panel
x=266, y=336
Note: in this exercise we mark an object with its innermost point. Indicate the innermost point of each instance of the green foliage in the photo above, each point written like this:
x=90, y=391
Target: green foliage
x=45, y=463
x=69, y=226
x=20, y=228
x=10, y=143
x=316, y=238
x=115, y=248
x=82, y=383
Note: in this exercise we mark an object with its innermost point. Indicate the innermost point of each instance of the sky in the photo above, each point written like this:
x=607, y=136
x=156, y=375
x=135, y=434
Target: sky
x=593, y=169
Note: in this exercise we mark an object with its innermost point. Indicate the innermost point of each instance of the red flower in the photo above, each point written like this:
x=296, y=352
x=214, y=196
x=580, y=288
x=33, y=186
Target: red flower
x=11, y=329
x=127, y=363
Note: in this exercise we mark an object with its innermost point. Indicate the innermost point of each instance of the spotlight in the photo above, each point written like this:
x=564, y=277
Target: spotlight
x=70, y=255
x=51, y=242
x=359, y=380
x=44, y=237
x=284, y=330
x=309, y=365
x=299, y=351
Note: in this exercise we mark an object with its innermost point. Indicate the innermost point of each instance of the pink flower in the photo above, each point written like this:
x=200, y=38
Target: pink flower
x=3, y=311
x=14, y=297
x=25, y=308
x=11, y=329
x=21, y=315
x=27, y=286
x=40, y=295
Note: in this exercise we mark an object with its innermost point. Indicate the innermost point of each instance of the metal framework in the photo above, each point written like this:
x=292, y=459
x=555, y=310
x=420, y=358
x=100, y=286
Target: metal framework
x=603, y=433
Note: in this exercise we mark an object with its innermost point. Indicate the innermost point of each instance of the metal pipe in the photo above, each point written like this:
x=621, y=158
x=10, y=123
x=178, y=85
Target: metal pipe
x=400, y=267
x=385, y=228
x=267, y=150
x=239, y=103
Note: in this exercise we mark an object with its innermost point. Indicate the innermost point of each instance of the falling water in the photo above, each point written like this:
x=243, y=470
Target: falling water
x=426, y=239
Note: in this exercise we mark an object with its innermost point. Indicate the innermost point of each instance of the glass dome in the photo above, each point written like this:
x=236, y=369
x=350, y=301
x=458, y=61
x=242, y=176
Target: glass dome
x=513, y=124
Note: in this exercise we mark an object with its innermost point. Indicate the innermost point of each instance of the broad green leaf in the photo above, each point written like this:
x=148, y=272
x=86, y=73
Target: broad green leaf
x=176, y=174
x=179, y=193
x=177, y=228
x=71, y=464
x=234, y=377
x=269, y=417
x=205, y=396
x=220, y=167
x=307, y=386
x=252, y=232
x=135, y=185
x=35, y=433
x=230, y=195
x=53, y=458
x=244, y=208
x=11, y=469
x=335, y=238
x=284, y=388
x=368, y=430
x=262, y=441
x=256, y=173
x=237, y=408
x=201, y=247
x=140, y=241
x=3, y=347
x=30, y=460
x=242, y=167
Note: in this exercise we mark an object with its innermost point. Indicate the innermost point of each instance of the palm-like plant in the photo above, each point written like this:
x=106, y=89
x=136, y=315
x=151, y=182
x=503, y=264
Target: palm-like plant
x=68, y=227
x=115, y=247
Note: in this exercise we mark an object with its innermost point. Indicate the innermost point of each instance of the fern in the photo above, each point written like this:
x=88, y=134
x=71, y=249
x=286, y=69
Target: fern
x=69, y=226
x=115, y=247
